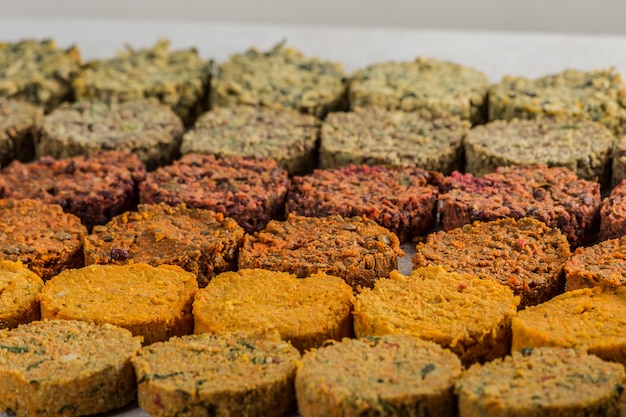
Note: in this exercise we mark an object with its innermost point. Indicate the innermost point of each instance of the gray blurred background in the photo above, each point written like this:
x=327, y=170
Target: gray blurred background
x=573, y=16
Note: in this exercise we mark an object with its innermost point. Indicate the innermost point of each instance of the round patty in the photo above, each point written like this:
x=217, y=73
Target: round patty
x=382, y=376
x=19, y=121
x=401, y=199
x=251, y=191
x=355, y=249
x=19, y=287
x=523, y=254
x=600, y=265
x=468, y=315
x=613, y=213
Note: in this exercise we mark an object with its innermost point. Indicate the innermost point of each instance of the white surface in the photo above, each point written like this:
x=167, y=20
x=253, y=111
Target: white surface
x=496, y=53
x=573, y=16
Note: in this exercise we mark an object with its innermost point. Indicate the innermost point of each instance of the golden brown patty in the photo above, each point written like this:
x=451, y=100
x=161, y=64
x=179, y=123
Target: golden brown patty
x=18, y=294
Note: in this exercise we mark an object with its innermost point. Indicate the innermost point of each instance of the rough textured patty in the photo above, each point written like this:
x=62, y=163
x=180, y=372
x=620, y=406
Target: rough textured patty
x=40, y=235
x=524, y=254
x=383, y=376
x=618, y=173
x=94, y=187
x=220, y=376
x=613, y=213
x=178, y=79
x=543, y=382
x=468, y=315
x=18, y=294
x=280, y=78
x=200, y=241
x=585, y=147
x=401, y=199
x=19, y=121
x=600, y=265
x=285, y=135
x=355, y=249
x=556, y=196
x=251, y=191
x=151, y=131
x=598, y=95
x=376, y=136
x=37, y=71
x=305, y=311
x=66, y=368
x=152, y=302
x=422, y=84
x=589, y=319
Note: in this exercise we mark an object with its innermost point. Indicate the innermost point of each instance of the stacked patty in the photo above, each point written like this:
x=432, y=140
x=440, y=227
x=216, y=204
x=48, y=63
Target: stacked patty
x=151, y=131
x=439, y=87
x=178, y=79
x=251, y=191
x=468, y=315
x=93, y=187
x=401, y=199
x=376, y=136
x=524, y=254
x=285, y=135
x=41, y=236
x=613, y=214
x=596, y=95
x=19, y=121
x=355, y=249
x=200, y=241
x=585, y=147
x=556, y=196
x=38, y=71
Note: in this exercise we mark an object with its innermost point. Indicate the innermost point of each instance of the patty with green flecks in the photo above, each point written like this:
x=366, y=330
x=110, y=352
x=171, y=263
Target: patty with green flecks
x=583, y=146
x=388, y=376
x=178, y=79
x=374, y=136
x=285, y=135
x=543, y=382
x=66, y=368
x=41, y=236
x=439, y=87
x=19, y=121
x=598, y=95
x=218, y=376
x=38, y=71
x=153, y=132
x=281, y=77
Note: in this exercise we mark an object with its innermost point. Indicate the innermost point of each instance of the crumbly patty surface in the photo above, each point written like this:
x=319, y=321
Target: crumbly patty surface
x=618, y=173
x=18, y=294
x=66, y=368
x=40, y=235
x=598, y=95
x=401, y=199
x=178, y=79
x=600, y=265
x=305, y=311
x=153, y=302
x=151, y=131
x=200, y=241
x=376, y=136
x=285, y=135
x=556, y=196
x=468, y=315
x=589, y=319
x=523, y=254
x=19, y=121
x=251, y=191
x=440, y=87
x=388, y=376
x=585, y=147
x=94, y=187
x=281, y=77
x=219, y=376
x=355, y=249
x=37, y=71
x=548, y=381
x=613, y=213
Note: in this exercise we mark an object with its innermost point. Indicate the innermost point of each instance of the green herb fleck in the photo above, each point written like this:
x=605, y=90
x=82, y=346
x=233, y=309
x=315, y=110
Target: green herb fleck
x=427, y=369
x=15, y=349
